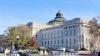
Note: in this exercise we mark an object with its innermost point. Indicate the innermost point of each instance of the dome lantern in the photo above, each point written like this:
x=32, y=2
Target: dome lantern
x=59, y=14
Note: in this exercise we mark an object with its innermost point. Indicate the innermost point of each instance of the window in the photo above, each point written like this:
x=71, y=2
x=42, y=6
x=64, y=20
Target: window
x=36, y=36
x=45, y=42
x=62, y=33
x=48, y=35
x=51, y=34
x=66, y=33
x=51, y=41
x=74, y=41
x=58, y=34
x=42, y=42
x=74, y=32
x=42, y=36
x=55, y=42
x=45, y=35
x=58, y=41
x=62, y=41
x=66, y=41
x=70, y=43
x=70, y=31
x=48, y=42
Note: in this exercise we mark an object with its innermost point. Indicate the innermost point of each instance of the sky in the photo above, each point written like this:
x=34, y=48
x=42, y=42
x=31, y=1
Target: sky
x=14, y=12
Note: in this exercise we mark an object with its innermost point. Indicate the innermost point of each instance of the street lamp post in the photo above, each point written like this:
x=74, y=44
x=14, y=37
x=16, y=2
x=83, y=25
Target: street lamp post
x=17, y=45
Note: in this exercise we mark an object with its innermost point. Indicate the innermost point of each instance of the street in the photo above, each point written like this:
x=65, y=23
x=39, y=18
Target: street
x=1, y=54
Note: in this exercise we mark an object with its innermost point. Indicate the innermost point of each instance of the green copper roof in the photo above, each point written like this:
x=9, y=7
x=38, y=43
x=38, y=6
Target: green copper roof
x=58, y=19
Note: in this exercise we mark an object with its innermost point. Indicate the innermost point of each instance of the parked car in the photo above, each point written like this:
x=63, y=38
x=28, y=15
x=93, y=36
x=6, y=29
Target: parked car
x=1, y=50
x=24, y=54
x=61, y=49
x=70, y=50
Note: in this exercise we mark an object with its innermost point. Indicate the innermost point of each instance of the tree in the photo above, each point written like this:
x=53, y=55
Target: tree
x=24, y=35
x=13, y=32
x=83, y=49
x=32, y=42
x=21, y=31
x=94, y=33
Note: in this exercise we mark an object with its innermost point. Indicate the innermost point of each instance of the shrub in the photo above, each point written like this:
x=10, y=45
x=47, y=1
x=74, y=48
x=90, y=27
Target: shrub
x=83, y=49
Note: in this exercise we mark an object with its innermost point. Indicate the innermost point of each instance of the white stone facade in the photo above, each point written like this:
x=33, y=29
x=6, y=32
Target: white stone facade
x=73, y=34
x=35, y=27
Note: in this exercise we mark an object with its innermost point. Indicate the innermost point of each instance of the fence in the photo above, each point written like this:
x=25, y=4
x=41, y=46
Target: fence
x=59, y=53
x=71, y=54
x=64, y=54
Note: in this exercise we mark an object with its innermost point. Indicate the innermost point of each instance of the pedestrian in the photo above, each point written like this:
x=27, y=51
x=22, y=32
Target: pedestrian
x=6, y=51
x=41, y=52
x=98, y=53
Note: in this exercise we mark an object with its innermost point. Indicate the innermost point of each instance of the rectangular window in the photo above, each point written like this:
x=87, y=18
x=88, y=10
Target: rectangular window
x=55, y=42
x=66, y=33
x=70, y=31
x=45, y=42
x=42, y=42
x=62, y=41
x=58, y=41
x=70, y=43
x=62, y=34
x=51, y=42
x=58, y=34
x=74, y=32
x=48, y=42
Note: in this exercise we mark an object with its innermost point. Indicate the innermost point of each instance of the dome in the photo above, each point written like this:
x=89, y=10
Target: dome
x=58, y=19
x=59, y=14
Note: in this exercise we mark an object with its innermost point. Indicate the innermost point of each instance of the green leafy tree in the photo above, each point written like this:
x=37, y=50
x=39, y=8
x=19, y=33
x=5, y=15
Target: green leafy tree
x=13, y=32
x=83, y=49
x=24, y=35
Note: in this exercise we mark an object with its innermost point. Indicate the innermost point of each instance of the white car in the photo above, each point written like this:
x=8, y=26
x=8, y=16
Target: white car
x=14, y=53
x=61, y=49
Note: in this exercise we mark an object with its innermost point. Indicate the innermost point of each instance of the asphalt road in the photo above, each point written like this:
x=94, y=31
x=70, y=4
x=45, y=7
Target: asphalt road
x=1, y=54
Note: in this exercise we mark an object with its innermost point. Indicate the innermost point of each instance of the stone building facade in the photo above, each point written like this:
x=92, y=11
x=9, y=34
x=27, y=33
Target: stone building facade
x=71, y=34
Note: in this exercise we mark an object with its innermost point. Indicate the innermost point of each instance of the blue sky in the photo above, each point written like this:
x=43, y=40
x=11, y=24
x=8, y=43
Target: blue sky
x=13, y=12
